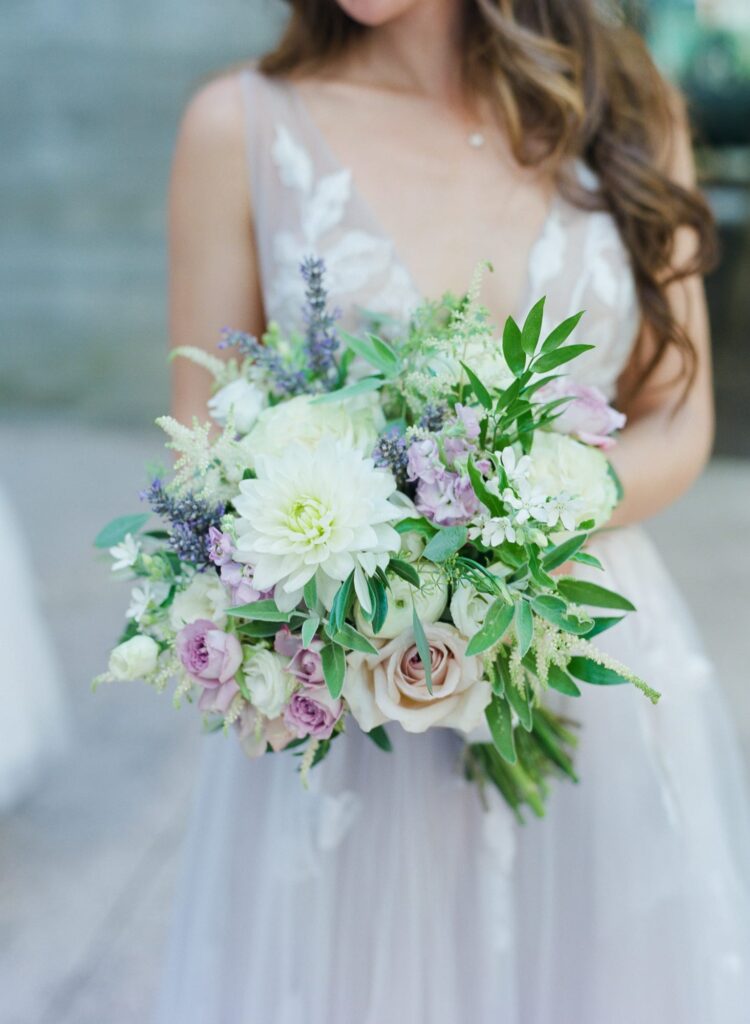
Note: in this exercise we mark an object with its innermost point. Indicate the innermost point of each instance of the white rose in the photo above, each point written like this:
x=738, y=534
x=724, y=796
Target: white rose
x=134, y=659
x=483, y=355
x=412, y=546
x=391, y=685
x=561, y=466
x=429, y=600
x=269, y=685
x=242, y=398
x=205, y=597
x=301, y=421
x=469, y=606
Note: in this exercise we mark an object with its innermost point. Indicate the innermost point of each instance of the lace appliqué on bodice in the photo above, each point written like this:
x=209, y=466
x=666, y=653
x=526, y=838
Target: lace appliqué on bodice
x=307, y=204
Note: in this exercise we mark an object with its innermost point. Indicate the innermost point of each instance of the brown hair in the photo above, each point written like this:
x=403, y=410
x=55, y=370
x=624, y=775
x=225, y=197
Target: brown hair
x=567, y=82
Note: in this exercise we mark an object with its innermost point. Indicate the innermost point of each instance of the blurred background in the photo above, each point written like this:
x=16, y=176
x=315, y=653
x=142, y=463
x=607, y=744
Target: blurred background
x=92, y=95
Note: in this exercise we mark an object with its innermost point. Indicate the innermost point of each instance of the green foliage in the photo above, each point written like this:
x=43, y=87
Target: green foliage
x=498, y=619
x=423, y=648
x=117, y=530
x=446, y=542
x=334, y=668
x=380, y=738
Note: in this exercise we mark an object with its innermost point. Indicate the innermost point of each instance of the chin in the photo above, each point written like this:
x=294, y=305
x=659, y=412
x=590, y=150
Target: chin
x=376, y=12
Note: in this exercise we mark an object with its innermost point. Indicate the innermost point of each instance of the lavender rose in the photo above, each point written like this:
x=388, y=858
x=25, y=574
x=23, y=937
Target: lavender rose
x=312, y=713
x=588, y=415
x=391, y=685
x=209, y=655
x=305, y=664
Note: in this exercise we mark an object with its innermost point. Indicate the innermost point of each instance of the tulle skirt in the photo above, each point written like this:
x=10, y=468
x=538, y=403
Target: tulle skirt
x=389, y=893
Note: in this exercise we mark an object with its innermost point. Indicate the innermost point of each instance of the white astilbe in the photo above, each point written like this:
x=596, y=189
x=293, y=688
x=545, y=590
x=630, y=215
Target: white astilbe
x=223, y=371
x=210, y=468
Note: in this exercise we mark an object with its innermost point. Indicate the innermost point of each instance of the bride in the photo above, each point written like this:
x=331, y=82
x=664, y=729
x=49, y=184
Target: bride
x=404, y=141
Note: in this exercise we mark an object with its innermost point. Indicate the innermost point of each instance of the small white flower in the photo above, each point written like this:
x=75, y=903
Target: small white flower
x=516, y=469
x=146, y=598
x=243, y=399
x=322, y=512
x=496, y=530
x=527, y=503
x=126, y=553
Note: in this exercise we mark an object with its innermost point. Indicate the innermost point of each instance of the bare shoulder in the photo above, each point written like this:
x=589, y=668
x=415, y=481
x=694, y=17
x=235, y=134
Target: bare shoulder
x=214, y=116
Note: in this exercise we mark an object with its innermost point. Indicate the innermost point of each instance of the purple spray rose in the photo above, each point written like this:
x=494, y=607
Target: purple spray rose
x=312, y=713
x=588, y=416
x=305, y=664
x=209, y=655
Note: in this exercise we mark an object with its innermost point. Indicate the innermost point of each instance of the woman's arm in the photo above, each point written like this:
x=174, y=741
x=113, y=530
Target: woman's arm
x=213, y=277
x=665, y=445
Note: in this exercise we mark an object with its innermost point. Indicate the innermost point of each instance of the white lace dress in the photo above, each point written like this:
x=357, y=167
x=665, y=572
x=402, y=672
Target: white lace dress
x=387, y=895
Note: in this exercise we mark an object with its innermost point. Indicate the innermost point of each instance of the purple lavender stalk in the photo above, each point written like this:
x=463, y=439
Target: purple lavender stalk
x=321, y=337
x=190, y=521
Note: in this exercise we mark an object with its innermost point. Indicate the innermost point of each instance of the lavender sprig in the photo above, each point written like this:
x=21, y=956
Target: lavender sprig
x=286, y=382
x=321, y=336
x=432, y=418
x=190, y=518
x=391, y=452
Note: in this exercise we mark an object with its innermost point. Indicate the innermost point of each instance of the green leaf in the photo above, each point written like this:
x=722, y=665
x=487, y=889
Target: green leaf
x=334, y=668
x=557, y=614
x=499, y=617
x=524, y=625
x=310, y=593
x=520, y=704
x=258, y=629
x=582, y=592
x=561, y=681
x=602, y=624
x=416, y=525
x=499, y=720
x=445, y=543
x=483, y=395
x=501, y=680
x=513, y=347
x=423, y=648
x=348, y=636
x=405, y=570
x=493, y=503
x=584, y=558
x=561, y=333
x=259, y=611
x=375, y=351
x=590, y=671
x=551, y=360
x=380, y=738
x=379, y=599
x=619, y=489
x=309, y=628
x=538, y=575
x=532, y=328
x=361, y=387
x=341, y=602
x=119, y=528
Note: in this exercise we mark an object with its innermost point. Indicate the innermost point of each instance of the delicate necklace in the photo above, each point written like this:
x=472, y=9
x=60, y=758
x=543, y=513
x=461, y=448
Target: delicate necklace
x=475, y=139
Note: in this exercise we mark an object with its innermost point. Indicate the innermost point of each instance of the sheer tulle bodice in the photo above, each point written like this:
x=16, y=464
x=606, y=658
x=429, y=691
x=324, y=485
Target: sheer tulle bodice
x=387, y=893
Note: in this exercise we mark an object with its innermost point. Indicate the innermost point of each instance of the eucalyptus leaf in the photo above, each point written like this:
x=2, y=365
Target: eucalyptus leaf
x=414, y=524
x=583, y=592
x=310, y=593
x=309, y=628
x=524, y=626
x=348, y=636
x=334, y=668
x=499, y=719
x=496, y=622
x=445, y=543
x=258, y=629
x=118, y=529
x=260, y=611
x=423, y=648
x=405, y=570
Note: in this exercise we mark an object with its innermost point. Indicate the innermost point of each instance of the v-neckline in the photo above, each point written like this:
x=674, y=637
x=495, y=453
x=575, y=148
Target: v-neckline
x=367, y=211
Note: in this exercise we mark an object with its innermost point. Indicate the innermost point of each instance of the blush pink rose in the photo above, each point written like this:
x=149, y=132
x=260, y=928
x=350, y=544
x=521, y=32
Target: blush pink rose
x=305, y=662
x=588, y=416
x=391, y=685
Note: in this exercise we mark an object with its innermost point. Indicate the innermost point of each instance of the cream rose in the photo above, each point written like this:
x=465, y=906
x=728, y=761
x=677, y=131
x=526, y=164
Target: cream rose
x=301, y=421
x=391, y=685
x=269, y=684
x=243, y=399
x=562, y=466
x=469, y=606
x=429, y=600
x=134, y=659
x=205, y=597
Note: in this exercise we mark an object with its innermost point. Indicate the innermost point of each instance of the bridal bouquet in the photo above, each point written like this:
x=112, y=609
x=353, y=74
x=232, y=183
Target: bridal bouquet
x=380, y=531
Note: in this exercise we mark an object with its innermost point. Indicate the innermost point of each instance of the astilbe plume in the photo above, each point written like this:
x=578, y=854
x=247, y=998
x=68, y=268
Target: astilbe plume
x=190, y=519
x=321, y=337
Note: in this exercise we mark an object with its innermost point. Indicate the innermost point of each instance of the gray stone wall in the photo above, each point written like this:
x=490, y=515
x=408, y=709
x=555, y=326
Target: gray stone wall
x=91, y=96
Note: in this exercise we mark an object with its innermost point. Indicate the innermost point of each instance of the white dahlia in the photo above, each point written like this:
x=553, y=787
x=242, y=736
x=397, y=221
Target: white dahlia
x=323, y=512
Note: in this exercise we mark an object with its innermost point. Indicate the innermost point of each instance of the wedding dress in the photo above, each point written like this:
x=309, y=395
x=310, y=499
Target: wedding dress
x=386, y=894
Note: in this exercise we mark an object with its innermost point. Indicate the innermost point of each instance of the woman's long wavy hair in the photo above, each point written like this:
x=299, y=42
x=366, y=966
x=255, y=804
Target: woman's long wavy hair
x=567, y=82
